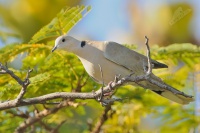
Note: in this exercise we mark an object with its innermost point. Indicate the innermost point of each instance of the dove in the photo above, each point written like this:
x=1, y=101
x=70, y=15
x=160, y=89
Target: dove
x=116, y=59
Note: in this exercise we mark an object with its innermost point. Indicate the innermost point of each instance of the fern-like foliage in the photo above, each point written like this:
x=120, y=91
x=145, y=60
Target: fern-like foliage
x=39, y=57
x=186, y=52
x=62, y=23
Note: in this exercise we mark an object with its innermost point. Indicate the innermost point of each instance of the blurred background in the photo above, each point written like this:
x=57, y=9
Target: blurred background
x=127, y=21
x=124, y=21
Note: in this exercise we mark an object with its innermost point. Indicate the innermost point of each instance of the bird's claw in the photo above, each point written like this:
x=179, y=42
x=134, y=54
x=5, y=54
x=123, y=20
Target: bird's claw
x=100, y=97
x=110, y=85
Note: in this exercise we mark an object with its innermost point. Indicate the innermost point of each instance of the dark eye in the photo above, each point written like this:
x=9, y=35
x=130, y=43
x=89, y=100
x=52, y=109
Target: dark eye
x=63, y=40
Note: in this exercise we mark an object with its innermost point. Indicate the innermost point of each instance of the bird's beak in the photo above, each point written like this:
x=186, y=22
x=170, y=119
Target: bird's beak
x=54, y=48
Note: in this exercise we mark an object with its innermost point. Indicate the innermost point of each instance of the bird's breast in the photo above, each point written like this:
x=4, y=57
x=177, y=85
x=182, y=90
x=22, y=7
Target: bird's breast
x=97, y=64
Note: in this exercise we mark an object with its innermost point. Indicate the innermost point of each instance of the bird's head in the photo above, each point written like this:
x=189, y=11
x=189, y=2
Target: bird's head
x=67, y=43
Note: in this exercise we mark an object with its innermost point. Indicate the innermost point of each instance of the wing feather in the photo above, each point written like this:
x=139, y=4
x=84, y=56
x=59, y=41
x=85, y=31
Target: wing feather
x=136, y=62
x=127, y=57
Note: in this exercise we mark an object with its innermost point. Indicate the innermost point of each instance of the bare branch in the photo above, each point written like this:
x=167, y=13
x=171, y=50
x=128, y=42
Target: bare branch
x=43, y=99
x=89, y=95
x=55, y=130
x=46, y=127
x=31, y=120
x=21, y=115
x=102, y=119
x=2, y=72
x=26, y=82
x=5, y=70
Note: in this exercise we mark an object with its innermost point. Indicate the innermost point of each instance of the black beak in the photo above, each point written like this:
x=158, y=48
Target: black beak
x=54, y=48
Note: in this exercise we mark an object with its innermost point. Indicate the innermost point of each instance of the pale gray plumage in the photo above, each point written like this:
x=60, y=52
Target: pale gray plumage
x=115, y=59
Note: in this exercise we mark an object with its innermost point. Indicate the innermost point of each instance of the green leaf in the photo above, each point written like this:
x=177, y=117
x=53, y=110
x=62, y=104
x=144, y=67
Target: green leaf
x=39, y=78
x=62, y=23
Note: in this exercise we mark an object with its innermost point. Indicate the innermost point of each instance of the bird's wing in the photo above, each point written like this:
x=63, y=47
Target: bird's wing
x=135, y=62
x=127, y=57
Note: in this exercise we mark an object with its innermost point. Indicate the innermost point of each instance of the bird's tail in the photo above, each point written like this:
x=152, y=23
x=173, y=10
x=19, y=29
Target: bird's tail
x=167, y=91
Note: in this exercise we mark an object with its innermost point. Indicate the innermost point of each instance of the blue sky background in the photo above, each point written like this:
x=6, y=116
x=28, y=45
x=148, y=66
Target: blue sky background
x=109, y=19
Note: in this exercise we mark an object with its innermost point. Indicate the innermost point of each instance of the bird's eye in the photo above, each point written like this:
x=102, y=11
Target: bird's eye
x=63, y=40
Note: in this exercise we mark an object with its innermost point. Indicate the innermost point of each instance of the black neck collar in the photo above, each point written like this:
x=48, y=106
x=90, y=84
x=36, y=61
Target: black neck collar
x=83, y=43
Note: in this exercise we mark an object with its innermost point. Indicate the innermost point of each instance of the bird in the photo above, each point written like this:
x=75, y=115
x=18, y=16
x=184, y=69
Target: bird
x=116, y=59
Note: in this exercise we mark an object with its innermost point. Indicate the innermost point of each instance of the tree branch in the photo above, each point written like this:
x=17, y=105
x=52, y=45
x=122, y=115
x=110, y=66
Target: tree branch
x=31, y=120
x=5, y=70
x=55, y=130
x=102, y=119
x=64, y=95
x=88, y=95
x=24, y=84
x=27, y=115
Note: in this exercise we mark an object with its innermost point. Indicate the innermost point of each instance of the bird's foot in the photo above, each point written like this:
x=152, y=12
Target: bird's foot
x=110, y=93
x=110, y=85
x=101, y=97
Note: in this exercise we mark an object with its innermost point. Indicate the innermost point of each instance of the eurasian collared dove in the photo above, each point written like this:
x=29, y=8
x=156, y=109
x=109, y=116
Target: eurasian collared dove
x=115, y=59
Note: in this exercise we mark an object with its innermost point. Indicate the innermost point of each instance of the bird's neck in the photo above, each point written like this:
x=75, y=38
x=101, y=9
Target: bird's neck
x=83, y=52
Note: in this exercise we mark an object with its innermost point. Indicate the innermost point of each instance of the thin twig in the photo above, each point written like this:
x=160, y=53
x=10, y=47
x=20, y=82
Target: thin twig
x=101, y=120
x=31, y=120
x=21, y=115
x=25, y=84
x=6, y=70
x=55, y=130
x=149, y=71
x=79, y=84
x=2, y=72
x=101, y=96
x=45, y=126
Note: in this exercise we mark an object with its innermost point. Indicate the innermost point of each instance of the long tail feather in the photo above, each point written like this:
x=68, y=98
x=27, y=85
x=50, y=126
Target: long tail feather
x=167, y=91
